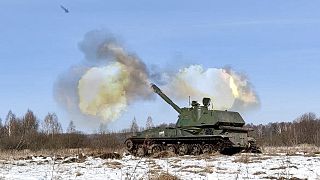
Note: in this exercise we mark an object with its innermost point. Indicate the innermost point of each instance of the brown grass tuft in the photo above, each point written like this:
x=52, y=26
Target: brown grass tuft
x=79, y=173
x=243, y=158
x=113, y=164
x=258, y=173
x=276, y=168
x=165, y=176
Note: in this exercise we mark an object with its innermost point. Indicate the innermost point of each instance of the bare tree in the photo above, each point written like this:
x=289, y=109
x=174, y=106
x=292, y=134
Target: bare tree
x=71, y=127
x=30, y=123
x=1, y=129
x=28, y=129
x=134, y=126
x=103, y=128
x=51, y=125
x=10, y=118
x=149, y=123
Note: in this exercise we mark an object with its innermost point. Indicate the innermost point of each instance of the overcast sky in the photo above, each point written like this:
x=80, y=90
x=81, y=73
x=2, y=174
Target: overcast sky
x=275, y=43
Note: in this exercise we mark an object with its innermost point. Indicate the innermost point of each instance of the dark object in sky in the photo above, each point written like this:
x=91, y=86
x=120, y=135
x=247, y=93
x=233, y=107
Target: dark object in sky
x=65, y=9
x=198, y=130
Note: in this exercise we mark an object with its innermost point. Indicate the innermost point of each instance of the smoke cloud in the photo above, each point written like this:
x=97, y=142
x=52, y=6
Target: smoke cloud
x=111, y=78
x=227, y=88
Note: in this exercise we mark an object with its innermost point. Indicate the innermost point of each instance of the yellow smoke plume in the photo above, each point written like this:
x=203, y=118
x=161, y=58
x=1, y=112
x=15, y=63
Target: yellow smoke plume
x=102, y=91
x=105, y=91
x=226, y=88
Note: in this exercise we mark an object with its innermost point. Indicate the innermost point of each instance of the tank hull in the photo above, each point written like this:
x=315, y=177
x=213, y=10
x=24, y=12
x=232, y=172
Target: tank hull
x=187, y=145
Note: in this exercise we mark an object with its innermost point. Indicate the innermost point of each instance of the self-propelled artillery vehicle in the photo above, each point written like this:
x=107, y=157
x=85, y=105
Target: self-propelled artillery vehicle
x=198, y=130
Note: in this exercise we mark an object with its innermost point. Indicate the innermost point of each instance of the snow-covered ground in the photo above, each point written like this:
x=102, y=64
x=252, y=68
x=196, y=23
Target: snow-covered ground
x=241, y=166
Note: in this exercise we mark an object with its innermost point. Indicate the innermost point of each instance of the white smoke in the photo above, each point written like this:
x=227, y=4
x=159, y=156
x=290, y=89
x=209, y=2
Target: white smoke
x=225, y=87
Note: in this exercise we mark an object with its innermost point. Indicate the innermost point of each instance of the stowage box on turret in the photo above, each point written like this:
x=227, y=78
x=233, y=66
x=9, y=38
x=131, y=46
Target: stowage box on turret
x=198, y=130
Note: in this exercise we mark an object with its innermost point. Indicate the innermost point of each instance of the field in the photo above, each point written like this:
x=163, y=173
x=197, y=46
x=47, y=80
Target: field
x=274, y=163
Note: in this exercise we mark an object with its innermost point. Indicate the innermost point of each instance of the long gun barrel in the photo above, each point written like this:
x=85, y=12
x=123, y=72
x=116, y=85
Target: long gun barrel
x=157, y=90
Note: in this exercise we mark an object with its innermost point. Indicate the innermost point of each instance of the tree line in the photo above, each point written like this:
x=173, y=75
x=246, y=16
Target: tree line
x=303, y=130
x=27, y=132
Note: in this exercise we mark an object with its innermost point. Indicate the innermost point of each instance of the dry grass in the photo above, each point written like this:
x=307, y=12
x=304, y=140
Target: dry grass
x=221, y=169
x=292, y=150
x=150, y=161
x=243, y=158
x=153, y=165
x=175, y=161
x=249, y=158
x=78, y=173
x=164, y=176
x=197, y=169
x=189, y=166
x=154, y=173
x=208, y=156
x=25, y=154
x=113, y=164
x=208, y=169
x=277, y=168
x=259, y=173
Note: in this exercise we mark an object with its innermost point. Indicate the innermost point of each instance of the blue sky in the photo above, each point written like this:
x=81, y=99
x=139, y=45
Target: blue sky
x=275, y=43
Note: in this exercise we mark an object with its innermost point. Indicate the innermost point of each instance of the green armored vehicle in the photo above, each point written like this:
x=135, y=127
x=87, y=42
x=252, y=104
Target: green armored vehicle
x=198, y=130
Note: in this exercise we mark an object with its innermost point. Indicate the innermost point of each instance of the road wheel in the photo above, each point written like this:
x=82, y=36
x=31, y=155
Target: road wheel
x=183, y=149
x=207, y=148
x=156, y=149
x=195, y=149
x=217, y=147
x=129, y=145
x=141, y=151
x=171, y=148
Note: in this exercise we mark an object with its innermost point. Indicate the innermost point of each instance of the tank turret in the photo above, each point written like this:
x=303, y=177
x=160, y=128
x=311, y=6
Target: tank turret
x=201, y=116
